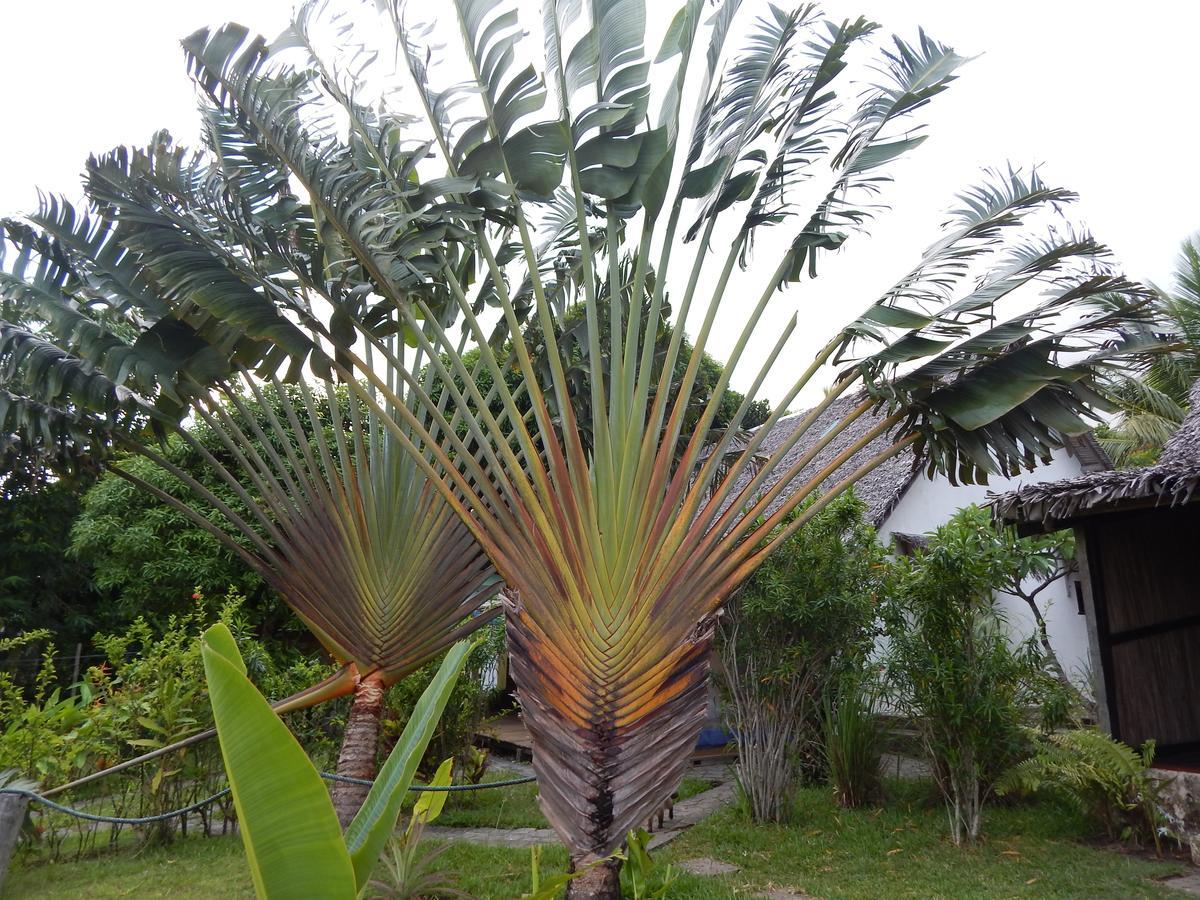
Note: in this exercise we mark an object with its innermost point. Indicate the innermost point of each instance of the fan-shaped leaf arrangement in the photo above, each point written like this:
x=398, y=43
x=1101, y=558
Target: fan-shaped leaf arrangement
x=555, y=176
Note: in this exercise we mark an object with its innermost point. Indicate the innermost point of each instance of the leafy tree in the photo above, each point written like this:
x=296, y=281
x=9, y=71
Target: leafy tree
x=41, y=586
x=148, y=558
x=1153, y=397
x=1028, y=566
x=339, y=522
x=952, y=665
x=807, y=617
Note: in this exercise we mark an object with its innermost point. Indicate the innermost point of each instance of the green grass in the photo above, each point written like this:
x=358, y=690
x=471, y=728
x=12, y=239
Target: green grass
x=902, y=850
x=508, y=807
x=898, y=851
x=516, y=807
x=190, y=869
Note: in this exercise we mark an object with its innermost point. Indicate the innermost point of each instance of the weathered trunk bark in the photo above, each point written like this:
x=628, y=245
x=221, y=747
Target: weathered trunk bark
x=360, y=748
x=602, y=882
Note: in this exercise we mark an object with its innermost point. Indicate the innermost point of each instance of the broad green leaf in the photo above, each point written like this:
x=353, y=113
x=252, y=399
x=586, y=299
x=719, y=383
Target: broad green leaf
x=700, y=182
x=375, y=821
x=429, y=804
x=220, y=640
x=288, y=826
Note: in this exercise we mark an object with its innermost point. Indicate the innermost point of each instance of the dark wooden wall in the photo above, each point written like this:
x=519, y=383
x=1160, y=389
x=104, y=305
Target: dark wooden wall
x=1146, y=577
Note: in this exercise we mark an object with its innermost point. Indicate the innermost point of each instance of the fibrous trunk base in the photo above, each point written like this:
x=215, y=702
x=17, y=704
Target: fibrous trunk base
x=602, y=882
x=360, y=748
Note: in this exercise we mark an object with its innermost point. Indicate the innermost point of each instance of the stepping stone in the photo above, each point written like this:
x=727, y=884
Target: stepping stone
x=785, y=895
x=706, y=866
x=1189, y=884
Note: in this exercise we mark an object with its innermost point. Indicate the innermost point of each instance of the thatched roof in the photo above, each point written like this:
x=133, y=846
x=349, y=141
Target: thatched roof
x=882, y=488
x=1173, y=480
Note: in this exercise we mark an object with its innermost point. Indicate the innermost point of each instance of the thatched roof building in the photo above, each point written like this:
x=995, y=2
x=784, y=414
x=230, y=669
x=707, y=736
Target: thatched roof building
x=884, y=487
x=903, y=505
x=1173, y=480
x=880, y=490
x=1137, y=533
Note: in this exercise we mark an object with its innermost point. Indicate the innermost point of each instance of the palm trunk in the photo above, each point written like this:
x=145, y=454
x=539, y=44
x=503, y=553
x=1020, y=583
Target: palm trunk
x=602, y=882
x=360, y=747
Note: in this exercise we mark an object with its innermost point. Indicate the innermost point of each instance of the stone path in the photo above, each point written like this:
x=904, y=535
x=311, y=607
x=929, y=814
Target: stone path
x=1189, y=884
x=707, y=866
x=687, y=813
x=496, y=837
x=690, y=811
x=517, y=769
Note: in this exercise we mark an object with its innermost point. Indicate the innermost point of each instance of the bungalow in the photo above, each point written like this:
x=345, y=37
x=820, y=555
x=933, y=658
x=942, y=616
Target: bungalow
x=1136, y=531
x=902, y=504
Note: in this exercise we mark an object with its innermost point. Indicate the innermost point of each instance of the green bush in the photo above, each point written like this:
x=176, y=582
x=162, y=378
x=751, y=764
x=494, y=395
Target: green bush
x=148, y=692
x=854, y=740
x=465, y=711
x=807, y=616
x=954, y=669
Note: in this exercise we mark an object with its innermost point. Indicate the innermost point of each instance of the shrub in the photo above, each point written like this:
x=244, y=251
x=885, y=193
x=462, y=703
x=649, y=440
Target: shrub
x=807, y=615
x=1107, y=780
x=148, y=692
x=952, y=667
x=465, y=711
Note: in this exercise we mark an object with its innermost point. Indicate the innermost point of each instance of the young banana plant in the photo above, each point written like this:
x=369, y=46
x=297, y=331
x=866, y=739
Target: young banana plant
x=294, y=845
x=551, y=180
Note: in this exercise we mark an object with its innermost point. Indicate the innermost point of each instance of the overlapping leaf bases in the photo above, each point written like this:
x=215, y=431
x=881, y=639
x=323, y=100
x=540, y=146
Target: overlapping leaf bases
x=541, y=184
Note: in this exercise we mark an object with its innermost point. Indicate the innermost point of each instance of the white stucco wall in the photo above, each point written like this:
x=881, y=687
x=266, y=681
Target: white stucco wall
x=929, y=503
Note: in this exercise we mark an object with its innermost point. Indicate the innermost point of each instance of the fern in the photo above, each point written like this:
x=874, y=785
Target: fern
x=1106, y=779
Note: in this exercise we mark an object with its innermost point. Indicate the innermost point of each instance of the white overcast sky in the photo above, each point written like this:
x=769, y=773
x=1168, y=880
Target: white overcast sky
x=1103, y=97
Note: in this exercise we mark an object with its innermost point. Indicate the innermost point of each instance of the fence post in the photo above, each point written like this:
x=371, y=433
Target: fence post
x=12, y=816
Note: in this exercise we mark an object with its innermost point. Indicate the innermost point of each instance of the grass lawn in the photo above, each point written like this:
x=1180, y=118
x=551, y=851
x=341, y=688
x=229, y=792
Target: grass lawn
x=898, y=851
x=515, y=807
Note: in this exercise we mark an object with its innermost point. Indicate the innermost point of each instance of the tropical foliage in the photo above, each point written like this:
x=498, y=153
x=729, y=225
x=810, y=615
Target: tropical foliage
x=807, y=618
x=323, y=225
x=313, y=494
x=854, y=739
x=1153, y=397
x=1108, y=780
x=145, y=692
x=1026, y=567
x=292, y=836
x=954, y=670
x=41, y=586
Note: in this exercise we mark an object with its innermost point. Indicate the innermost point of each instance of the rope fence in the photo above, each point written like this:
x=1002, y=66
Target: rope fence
x=34, y=796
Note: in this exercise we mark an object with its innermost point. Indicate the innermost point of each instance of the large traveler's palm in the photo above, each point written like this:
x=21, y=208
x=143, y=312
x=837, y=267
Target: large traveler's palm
x=535, y=187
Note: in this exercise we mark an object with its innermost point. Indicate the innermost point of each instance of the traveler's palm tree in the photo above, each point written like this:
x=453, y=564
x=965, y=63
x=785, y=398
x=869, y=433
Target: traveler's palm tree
x=329, y=510
x=1153, y=398
x=536, y=185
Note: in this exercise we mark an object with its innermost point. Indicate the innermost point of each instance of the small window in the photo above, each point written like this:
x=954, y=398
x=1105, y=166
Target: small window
x=1079, y=597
